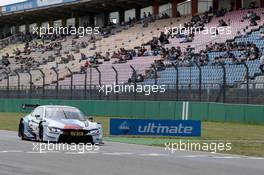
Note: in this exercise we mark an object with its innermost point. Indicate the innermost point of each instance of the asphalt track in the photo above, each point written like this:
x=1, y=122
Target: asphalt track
x=19, y=158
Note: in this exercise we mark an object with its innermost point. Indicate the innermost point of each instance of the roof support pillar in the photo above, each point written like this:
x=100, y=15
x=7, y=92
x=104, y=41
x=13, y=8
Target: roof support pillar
x=27, y=28
x=51, y=23
x=138, y=13
x=215, y=5
x=106, y=18
x=155, y=8
x=238, y=4
x=16, y=28
x=77, y=21
x=64, y=22
x=91, y=20
x=121, y=14
x=262, y=3
x=194, y=4
x=174, y=4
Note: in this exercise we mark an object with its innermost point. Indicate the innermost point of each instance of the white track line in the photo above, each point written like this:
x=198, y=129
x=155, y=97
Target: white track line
x=212, y=156
x=154, y=155
x=11, y=151
x=117, y=153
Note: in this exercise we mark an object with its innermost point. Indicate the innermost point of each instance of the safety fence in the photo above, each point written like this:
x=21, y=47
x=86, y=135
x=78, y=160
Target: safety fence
x=151, y=109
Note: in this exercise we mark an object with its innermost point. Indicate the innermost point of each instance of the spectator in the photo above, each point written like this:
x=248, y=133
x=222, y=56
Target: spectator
x=222, y=23
x=149, y=15
x=220, y=13
x=107, y=56
x=248, y=15
x=5, y=62
x=261, y=67
x=262, y=34
x=144, y=15
x=210, y=9
x=163, y=38
x=83, y=57
x=253, y=22
x=178, y=14
x=252, y=5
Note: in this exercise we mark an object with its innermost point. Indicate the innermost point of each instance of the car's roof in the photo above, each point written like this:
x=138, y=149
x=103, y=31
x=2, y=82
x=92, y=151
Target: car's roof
x=56, y=106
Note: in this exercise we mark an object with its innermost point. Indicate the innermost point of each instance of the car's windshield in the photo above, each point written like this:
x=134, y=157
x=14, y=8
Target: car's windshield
x=58, y=113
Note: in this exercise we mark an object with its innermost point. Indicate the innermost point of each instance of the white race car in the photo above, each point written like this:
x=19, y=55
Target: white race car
x=59, y=124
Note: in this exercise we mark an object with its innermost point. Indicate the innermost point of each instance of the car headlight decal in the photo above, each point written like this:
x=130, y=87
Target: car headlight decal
x=53, y=129
x=94, y=132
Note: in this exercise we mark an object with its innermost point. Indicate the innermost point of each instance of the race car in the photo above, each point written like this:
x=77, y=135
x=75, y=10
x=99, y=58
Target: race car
x=66, y=124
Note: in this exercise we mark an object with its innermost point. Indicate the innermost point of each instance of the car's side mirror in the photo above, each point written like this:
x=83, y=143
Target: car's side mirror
x=90, y=119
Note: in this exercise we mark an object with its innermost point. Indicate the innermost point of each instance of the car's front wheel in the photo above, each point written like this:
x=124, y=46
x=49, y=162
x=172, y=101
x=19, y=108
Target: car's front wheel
x=21, y=129
x=41, y=134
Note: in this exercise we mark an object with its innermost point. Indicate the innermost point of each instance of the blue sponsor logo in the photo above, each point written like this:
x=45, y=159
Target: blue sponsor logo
x=155, y=127
x=124, y=127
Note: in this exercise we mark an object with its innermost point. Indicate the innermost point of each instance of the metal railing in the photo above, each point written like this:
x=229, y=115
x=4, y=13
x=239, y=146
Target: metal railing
x=219, y=91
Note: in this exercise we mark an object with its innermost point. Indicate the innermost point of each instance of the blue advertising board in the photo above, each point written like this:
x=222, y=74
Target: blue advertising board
x=155, y=127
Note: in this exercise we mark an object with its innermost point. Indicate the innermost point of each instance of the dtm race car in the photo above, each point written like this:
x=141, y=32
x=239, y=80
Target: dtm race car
x=59, y=124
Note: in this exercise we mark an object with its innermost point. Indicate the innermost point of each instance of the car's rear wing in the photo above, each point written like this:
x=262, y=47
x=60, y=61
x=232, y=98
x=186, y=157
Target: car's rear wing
x=29, y=106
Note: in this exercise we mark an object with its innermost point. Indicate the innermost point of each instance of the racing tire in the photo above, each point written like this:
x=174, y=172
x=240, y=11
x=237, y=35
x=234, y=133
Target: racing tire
x=21, y=131
x=40, y=133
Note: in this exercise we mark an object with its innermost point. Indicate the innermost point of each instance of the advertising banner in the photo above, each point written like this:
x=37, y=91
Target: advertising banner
x=155, y=127
x=20, y=6
x=30, y=4
x=65, y=1
x=41, y=3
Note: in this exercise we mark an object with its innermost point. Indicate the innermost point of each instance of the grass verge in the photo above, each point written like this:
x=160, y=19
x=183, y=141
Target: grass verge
x=245, y=139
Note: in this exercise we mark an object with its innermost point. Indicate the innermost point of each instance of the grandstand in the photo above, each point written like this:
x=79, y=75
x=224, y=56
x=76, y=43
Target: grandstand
x=134, y=43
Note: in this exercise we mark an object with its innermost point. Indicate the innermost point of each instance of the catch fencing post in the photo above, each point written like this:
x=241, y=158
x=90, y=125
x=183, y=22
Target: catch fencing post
x=116, y=75
x=177, y=80
x=200, y=80
x=100, y=78
x=224, y=83
x=7, y=83
x=57, y=82
x=43, y=82
x=30, y=83
x=247, y=80
x=18, y=83
x=85, y=84
x=100, y=81
x=134, y=79
x=71, y=74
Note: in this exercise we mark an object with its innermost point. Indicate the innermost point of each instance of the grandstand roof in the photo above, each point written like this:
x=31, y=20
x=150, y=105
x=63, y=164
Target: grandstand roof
x=80, y=8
